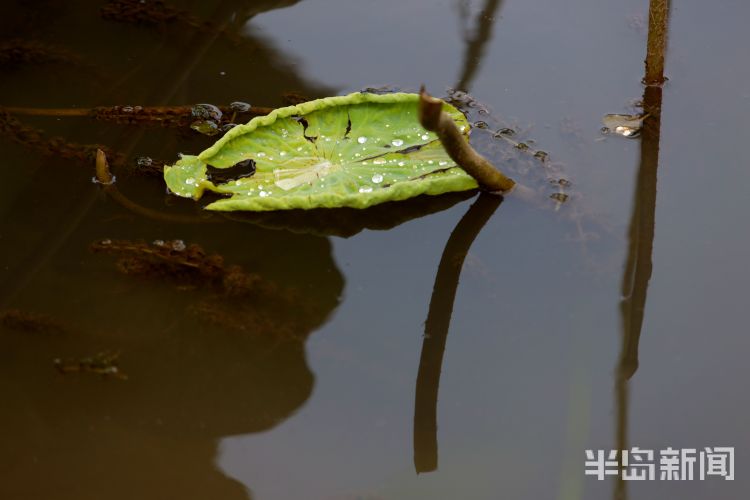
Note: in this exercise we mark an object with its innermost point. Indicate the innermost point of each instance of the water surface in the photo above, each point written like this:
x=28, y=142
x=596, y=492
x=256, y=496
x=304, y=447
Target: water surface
x=545, y=302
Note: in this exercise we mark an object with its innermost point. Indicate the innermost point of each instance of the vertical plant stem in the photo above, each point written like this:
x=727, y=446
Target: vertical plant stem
x=639, y=263
x=658, y=16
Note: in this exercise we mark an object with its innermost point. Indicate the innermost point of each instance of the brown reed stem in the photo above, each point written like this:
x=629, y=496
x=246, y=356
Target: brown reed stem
x=658, y=15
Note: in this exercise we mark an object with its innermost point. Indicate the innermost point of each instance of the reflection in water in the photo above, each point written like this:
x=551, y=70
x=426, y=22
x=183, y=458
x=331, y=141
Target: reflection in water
x=346, y=222
x=203, y=362
x=476, y=41
x=639, y=265
x=436, y=329
x=177, y=62
x=194, y=374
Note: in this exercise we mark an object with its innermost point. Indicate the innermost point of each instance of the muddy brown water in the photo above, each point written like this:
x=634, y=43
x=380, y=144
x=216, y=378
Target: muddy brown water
x=618, y=318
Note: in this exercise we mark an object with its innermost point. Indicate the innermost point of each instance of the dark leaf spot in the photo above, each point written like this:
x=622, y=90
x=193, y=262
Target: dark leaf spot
x=245, y=168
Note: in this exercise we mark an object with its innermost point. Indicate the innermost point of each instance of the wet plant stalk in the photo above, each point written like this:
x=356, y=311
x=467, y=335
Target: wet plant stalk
x=639, y=263
x=432, y=117
x=107, y=180
x=658, y=14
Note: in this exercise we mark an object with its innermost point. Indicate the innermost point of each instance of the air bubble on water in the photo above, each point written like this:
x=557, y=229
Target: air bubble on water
x=379, y=161
x=362, y=140
x=430, y=162
x=261, y=154
x=190, y=181
x=397, y=142
x=282, y=153
x=442, y=163
x=263, y=194
x=377, y=178
x=365, y=189
x=237, y=182
x=425, y=137
x=401, y=164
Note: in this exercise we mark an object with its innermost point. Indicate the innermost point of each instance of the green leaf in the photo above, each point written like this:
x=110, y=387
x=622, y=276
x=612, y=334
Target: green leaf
x=353, y=151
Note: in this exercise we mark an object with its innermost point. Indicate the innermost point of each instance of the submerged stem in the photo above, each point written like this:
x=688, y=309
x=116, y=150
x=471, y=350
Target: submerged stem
x=163, y=115
x=432, y=117
x=105, y=177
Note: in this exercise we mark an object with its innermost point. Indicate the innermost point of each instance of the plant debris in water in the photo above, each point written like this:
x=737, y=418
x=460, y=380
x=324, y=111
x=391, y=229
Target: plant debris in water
x=508, y=145
x=237, y=300
x=625, y=125
x=159, y=13
x=17, y=52
x=25, y=321
x=55, y=146
x=105, y=363
x=174, y=260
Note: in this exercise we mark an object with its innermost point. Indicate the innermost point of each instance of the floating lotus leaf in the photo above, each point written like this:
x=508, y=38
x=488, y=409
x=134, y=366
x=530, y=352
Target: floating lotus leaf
x=350, y=151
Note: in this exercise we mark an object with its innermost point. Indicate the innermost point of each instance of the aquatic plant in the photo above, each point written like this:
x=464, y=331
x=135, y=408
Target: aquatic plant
x=349, y=151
